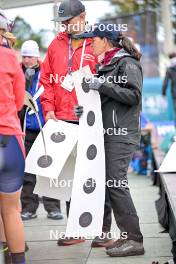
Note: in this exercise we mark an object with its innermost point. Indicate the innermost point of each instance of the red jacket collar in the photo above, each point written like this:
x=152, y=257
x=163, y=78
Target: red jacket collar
x=109, y=55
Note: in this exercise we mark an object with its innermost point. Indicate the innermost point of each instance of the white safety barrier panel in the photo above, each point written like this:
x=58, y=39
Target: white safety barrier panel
x=169, y=162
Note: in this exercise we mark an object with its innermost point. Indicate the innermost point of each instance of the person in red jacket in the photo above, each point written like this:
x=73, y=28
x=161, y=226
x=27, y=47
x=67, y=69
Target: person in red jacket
x=12, y=153
x=65, y=55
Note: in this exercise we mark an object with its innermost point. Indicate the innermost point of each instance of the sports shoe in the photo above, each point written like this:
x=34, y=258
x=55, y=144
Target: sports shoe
x=28, y=216
x=124, y=248
x=102, y=241
x=55, y=215
x=68, y=241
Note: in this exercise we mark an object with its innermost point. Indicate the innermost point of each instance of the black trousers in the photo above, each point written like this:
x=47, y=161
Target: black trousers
x=29, y=200
x=118, y=197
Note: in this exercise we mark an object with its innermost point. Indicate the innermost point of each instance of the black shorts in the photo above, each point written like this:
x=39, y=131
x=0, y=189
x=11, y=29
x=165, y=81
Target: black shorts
x=12, y=164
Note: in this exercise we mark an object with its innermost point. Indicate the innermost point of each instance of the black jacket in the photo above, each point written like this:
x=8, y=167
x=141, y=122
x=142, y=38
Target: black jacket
x=121, y=102
x=170, y=76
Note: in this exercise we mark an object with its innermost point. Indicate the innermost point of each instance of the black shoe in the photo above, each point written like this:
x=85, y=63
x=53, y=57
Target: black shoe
x=65, y=241
x=124, y=248
x=55, y=215
x=28, y=216
x=102, y=241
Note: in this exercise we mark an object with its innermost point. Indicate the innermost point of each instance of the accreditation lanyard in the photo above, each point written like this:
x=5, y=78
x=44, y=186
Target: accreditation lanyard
x=70, y=55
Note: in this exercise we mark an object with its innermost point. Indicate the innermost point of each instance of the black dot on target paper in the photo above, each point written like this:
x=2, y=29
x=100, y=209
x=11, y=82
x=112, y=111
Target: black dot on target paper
x=85, y=86
x=89, y=186
x=91, y=152
x=58, y=137
x=90, y=118
x=85, y=219
x=44, y=161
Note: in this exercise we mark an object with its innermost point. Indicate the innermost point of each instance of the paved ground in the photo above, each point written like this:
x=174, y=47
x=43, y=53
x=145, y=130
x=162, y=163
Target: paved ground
x=157, y=244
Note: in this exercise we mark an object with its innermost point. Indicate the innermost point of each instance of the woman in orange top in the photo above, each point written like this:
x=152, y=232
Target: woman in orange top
x=12, y=155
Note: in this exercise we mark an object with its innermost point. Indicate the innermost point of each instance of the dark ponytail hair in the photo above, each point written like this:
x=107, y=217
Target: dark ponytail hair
x=127, y=44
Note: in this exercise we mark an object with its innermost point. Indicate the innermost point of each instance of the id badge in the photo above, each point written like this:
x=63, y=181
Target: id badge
x=68, y=83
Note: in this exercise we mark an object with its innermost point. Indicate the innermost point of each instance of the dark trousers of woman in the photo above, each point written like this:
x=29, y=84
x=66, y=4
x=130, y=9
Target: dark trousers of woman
x=118, y=197
x=29, y=200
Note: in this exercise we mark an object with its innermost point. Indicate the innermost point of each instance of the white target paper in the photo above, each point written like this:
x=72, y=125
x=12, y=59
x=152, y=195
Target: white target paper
x=169, y=162
x=52, y=179
x=87, y=201
x=61, y=187
x=59, y=152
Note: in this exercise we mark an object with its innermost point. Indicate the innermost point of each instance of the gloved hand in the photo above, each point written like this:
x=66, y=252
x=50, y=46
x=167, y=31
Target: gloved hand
x=78, y=110
x=95, y=83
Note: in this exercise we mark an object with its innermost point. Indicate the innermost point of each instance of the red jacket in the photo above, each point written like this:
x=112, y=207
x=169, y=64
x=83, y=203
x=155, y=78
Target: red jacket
x=55, y=98
x=12, y=87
